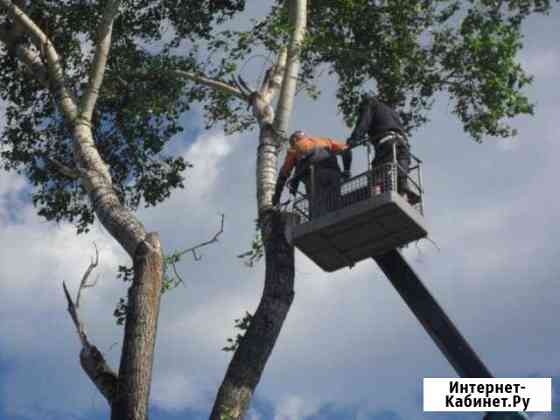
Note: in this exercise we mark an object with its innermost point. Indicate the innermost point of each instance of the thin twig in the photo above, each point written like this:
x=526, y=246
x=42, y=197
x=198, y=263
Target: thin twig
x=433, y=243
x=203, y=244
x=84, y=284
x=177, y=274
x=193, y=249
x=73, y=306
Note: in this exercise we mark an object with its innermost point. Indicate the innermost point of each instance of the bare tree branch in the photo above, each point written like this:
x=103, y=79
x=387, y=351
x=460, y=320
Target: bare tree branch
x=243, y=86
x=214, y=84
x=175, y=257
x=176, y=272
x=203, y=244
x=84, y=283
x=65, y=170
x=104, y=33
x=91, y=359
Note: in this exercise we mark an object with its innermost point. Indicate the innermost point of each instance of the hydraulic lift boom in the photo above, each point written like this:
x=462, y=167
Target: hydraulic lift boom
x=437, y=324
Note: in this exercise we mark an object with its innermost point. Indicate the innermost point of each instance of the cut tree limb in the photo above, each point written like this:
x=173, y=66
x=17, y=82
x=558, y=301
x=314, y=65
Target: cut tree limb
x=92, y=361
x=144, y=297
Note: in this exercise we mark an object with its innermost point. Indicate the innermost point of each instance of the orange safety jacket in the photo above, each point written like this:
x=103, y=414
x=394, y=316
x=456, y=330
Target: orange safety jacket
x=305, y=145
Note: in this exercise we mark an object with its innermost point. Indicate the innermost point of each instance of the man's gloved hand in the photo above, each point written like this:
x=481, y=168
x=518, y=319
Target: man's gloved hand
x=346, y=175
x=276, y=198
x=353, y=140
x=278, y=189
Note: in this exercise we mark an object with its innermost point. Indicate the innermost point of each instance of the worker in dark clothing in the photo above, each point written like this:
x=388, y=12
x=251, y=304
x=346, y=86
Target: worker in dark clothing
x=383, y=128
x=321, y=185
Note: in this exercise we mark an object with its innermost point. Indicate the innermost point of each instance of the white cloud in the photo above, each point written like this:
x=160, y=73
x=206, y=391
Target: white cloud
x=253, y=415
x=208, y=155
x=11, y=185
x=174, y=392
x=293, y=408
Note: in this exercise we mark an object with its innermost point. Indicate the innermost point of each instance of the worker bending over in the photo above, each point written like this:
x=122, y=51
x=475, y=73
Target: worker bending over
x=322, y=184
x=383, y=128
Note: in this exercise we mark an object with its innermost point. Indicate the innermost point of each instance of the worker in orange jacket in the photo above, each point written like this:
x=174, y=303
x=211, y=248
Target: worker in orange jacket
x=305, y=151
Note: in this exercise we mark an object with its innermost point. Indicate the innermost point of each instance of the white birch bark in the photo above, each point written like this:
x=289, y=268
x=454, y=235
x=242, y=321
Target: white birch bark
x=298, y=17
x=267, y=152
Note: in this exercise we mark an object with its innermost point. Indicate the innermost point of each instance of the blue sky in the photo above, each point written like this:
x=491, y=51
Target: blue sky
x=349, y=349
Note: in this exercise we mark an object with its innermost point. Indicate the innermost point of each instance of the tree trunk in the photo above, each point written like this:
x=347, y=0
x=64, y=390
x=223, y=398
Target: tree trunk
x=135, y=372
x=128, y=394
x=246, y=367
x=130, y=402
x=267, y=158
x=250, y=358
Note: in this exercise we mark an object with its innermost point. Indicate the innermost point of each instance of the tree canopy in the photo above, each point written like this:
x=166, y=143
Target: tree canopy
x=136, y=115
x=407, y=52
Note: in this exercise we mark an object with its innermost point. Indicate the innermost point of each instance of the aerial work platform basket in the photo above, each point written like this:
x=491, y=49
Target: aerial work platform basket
x=365, y=216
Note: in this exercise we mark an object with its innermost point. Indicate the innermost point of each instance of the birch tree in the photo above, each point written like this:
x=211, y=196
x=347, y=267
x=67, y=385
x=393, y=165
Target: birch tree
x=253, y=350
x=408, y=52
x=89, y=137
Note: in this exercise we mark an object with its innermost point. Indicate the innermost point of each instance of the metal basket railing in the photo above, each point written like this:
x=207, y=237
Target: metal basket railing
x=375, y=181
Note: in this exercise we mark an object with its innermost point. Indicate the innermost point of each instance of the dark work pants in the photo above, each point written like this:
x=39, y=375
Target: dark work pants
x=384, y=154
x=322, y=186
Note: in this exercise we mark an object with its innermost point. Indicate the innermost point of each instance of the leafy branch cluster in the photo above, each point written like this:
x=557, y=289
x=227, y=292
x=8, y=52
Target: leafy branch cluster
x=171, y=277
x=408, y=52
x=241, y=324
x=256, y=253
x=136, y=116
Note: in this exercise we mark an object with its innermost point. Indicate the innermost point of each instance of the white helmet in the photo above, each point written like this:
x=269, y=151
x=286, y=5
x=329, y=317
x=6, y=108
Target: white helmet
x=295, y=136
